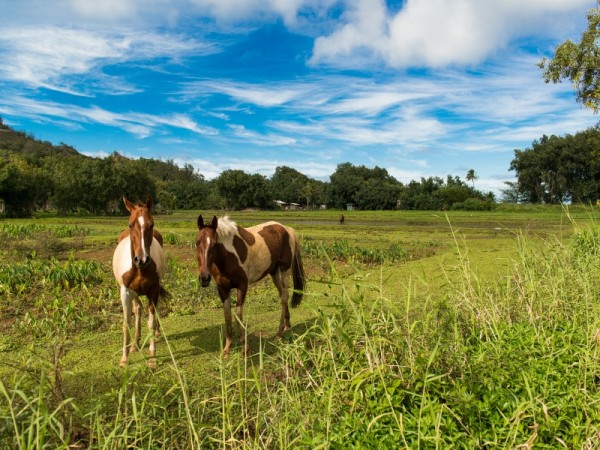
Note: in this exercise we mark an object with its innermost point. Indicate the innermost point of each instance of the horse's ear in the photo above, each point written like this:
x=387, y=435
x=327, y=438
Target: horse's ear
x=200, y=222
x=149, y=202
x=214, y=222
x=128, y=204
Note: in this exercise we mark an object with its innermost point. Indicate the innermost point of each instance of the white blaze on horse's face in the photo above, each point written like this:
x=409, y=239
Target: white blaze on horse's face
x=204, y=253
x=207, y=247
x=145, y=246
x=141, y=234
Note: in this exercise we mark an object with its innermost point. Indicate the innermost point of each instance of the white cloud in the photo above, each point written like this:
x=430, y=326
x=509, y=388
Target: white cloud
x=259, y=95
x=139, y=124
x=58, y=58
x=260, y=139
x=213, y=168
x=105, y=9
x=437, y=33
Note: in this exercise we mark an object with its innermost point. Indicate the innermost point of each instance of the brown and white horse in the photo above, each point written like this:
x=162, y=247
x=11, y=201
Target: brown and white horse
x=237, y=257
x=138, y=266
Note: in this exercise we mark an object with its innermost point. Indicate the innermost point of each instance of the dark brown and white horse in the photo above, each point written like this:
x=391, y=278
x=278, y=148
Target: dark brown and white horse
x=138, y=266
x=237, y=257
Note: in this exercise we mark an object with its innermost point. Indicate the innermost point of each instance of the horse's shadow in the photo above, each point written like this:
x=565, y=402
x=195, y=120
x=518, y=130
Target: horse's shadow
x=210, y=340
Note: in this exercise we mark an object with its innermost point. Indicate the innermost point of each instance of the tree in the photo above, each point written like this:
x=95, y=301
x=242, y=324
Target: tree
x=511, y=193
x=376, y=194
x=366, y=188
x=23, y=186
x=288, y=184
x=314, y=192
x=579, y=62
x=241, y=190
x=557, y=169
x=471, y=176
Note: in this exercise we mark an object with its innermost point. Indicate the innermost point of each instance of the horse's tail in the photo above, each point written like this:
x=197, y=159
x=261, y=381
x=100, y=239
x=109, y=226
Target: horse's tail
x=163, y=293
x=164, y=306
x=298, y=275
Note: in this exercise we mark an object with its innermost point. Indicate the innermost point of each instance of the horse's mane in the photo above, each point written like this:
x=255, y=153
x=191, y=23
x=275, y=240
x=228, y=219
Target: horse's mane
x=226, y=227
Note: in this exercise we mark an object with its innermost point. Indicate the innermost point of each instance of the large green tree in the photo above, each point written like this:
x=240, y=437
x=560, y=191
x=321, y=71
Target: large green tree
x=557, y=169
x=579, y=62
x=23, y=186
x=288, y=184
x=363, y=187
x=241, y=190
x=314, y=193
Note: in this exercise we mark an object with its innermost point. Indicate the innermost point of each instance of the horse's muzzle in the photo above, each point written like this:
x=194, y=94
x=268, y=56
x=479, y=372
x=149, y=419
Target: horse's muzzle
x=204, y=279
x=141, y=263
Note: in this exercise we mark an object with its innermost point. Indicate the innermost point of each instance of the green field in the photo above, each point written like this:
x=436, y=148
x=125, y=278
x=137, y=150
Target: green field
x=417, y=330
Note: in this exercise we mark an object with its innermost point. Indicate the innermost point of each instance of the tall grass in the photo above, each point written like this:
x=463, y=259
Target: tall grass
x=508, y=363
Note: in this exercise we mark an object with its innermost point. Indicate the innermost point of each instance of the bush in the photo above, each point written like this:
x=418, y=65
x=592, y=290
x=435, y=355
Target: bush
x=474, y=204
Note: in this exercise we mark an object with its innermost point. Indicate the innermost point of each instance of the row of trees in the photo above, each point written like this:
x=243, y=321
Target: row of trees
x=36, y=175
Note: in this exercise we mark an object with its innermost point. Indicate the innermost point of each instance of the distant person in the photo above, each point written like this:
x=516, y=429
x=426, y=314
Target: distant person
x=342, y=219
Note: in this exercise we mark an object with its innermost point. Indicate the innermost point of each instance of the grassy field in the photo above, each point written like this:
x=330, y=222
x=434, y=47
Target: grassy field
x=417, y=330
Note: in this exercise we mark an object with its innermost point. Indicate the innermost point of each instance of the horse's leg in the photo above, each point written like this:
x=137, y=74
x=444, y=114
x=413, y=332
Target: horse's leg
x=226, y=299
x=239, y=312
x=126, y=299
x=281, y=281
x=153, y=327
x=137, y=313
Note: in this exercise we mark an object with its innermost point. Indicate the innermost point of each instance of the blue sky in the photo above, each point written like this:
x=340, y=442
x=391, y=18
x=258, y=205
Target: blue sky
x=419, y=87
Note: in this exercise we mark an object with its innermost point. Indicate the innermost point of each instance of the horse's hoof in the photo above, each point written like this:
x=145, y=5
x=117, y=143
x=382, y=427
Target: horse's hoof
x=123, y=363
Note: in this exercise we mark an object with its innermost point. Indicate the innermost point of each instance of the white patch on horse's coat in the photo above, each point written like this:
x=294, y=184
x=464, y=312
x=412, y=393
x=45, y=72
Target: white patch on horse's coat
x=122, y=258
x=126, y=296
x=258, y=254
x=226, y=227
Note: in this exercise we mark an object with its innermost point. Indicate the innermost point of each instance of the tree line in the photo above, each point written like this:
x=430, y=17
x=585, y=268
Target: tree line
x=37, y=175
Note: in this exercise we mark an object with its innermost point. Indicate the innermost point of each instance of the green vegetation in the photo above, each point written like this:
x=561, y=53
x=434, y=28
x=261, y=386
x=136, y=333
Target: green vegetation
x=417, y=330
x=38, y=176
x=578, y=62
x=558, y=169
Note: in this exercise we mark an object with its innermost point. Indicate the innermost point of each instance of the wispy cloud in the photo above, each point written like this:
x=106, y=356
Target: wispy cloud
x=259, y=95
x=139, y=124
x=72, y=60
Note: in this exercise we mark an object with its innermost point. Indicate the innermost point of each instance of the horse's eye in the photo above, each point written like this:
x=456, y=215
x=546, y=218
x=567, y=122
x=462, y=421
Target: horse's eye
x=197, y=244
x=130, y=225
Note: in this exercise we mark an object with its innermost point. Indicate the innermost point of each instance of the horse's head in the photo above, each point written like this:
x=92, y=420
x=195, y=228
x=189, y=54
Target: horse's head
x=205, y=248
x=141, y=227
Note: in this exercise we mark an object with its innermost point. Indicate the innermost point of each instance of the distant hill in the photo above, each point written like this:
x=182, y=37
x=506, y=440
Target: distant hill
x=26, y=145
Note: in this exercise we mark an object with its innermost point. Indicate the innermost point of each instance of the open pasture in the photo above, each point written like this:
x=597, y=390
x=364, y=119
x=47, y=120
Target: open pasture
x=417, y=330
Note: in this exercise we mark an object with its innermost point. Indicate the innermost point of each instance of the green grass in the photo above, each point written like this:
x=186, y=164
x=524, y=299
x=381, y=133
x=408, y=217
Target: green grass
x=418, y=330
